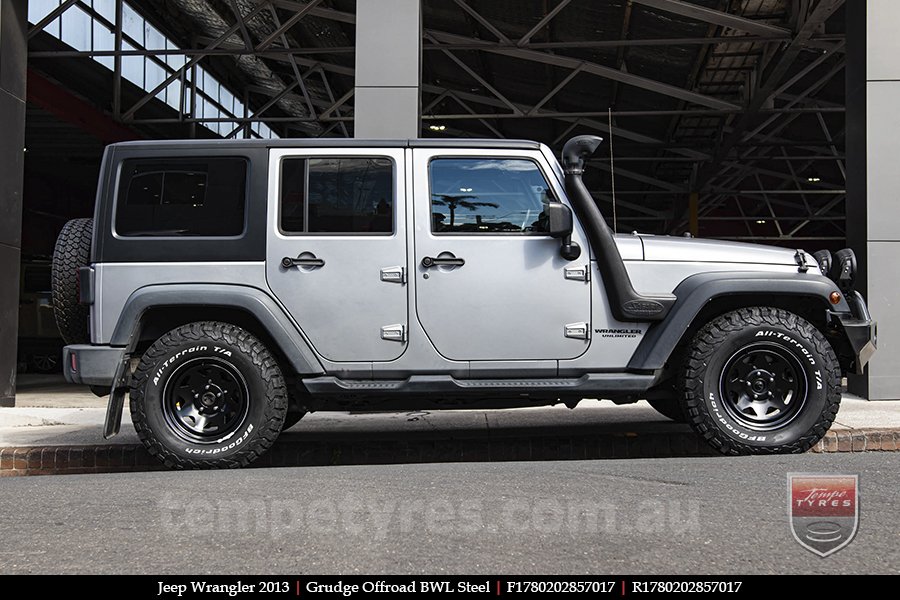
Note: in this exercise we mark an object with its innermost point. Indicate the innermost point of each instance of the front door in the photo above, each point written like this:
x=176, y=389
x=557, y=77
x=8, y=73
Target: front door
x=491, y=285
x=337, y=248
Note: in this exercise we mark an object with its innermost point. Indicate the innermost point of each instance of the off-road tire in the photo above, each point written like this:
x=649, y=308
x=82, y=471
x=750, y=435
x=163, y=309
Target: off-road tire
x=72, y=251
x=720, y=342
x=201, y=343
x=669, y=408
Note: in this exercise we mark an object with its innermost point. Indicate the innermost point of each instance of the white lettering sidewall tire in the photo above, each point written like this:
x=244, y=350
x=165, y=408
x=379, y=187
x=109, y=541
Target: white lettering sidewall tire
x=767, y=330
x=253, y=369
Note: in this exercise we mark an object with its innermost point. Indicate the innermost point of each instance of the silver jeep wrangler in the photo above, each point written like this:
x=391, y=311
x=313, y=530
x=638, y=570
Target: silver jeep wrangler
x=230, y=287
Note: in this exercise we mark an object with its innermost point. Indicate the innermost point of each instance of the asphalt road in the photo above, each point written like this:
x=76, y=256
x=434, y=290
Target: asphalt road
x=691, y=515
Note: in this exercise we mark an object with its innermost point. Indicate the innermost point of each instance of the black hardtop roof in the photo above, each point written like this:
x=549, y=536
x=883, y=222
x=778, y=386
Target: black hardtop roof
x=335, y=143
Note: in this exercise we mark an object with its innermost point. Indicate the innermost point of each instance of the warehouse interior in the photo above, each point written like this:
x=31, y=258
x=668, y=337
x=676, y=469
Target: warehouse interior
x=722, y=118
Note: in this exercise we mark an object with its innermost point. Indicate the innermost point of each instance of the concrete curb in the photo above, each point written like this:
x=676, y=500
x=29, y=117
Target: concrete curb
x=868, y=439
x=356, y=450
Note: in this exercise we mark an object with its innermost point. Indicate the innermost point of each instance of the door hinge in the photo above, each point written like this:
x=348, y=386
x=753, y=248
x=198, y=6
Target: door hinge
x=579, y=273
x=394, y=275
x=578, y=331
x=394, y=333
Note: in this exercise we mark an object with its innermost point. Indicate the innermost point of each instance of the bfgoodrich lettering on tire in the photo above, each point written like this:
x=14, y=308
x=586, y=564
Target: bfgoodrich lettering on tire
x=208, y=395
x=760, y=380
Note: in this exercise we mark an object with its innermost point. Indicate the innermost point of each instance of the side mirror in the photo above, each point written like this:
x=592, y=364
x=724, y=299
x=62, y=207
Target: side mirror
x=559, y=226
x=559, y=220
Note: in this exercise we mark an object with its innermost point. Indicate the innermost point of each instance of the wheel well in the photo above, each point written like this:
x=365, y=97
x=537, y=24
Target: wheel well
x=157, y=321
x=810, y=308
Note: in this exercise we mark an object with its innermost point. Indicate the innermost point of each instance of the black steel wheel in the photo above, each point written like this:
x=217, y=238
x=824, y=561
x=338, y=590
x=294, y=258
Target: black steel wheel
x=208, y=395
x=760, y=380
x=763, y=386
x=205, y=399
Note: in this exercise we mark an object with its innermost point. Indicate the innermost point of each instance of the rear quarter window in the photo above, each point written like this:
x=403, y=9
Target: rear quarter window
x=182, y=197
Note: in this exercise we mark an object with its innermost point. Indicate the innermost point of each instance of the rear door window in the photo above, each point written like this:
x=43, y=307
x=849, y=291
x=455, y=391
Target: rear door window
x=342, y=195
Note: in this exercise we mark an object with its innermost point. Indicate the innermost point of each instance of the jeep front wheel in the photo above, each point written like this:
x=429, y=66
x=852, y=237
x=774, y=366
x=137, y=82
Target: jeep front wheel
x=208, y=395
x=760, y=380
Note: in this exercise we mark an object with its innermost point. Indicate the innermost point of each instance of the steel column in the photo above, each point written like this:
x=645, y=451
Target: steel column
x=388, y=68
x=873, y=90
x=13, y=61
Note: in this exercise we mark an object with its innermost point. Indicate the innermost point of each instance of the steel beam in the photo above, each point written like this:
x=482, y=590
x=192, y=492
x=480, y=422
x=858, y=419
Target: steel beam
x=666, y=185
x=543, y=22
x=549, y=96
x=318, y=11
x=823, y=10
x=117, y=62
x=168, y=80
x=269, y=104
x=283, y=28
x=715, y=17
x=592, y=123
x=51, y=16
x=593, y=68
x=298, y=76
x=245, y=33
x=484, y=22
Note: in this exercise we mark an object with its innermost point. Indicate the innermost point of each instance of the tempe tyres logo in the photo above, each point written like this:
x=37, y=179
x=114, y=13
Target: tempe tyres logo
x=824, y=510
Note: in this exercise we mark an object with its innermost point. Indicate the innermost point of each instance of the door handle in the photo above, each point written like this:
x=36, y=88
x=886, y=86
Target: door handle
x=306, y=259
x=440, y=261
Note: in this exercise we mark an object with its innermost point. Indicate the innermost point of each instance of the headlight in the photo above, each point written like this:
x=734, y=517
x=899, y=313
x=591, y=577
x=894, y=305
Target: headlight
x=843, y=271
x=823, y=257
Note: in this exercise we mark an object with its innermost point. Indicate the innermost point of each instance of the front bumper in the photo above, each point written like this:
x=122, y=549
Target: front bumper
x=91, y=365
x=860, y=330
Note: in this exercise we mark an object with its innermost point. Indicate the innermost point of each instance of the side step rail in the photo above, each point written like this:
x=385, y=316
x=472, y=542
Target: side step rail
x=591, y=384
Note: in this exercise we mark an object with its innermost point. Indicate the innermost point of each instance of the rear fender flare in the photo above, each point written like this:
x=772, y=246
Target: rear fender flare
x=291, y=342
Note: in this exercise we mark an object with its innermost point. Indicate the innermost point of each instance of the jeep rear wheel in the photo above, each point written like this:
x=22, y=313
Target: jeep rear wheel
x=208, y=395
x=760, y=380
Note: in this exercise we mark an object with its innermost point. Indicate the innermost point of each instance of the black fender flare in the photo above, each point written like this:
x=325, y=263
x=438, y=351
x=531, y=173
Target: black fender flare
x=290, y=340
x=697, y=290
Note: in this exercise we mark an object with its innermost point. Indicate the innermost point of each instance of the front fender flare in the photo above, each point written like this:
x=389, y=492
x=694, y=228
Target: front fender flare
x=697, y=290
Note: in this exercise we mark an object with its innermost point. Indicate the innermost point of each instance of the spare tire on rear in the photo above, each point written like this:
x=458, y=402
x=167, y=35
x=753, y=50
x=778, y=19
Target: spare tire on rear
x=72, y=251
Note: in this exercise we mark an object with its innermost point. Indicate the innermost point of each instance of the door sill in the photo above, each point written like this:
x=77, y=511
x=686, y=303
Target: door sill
x=617, y=384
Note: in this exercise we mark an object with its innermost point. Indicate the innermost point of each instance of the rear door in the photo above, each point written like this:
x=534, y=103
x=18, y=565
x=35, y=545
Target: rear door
x=499, y=289
x=336, y=251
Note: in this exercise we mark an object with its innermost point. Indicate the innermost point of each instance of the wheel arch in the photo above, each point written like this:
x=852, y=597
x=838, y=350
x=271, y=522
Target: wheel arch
x=153, y=310
x=706, y=296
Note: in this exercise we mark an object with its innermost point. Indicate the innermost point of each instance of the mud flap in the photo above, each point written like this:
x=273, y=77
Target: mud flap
x=117, y=399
